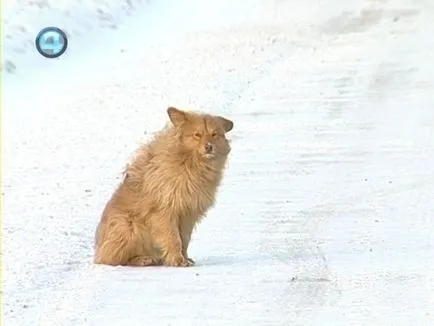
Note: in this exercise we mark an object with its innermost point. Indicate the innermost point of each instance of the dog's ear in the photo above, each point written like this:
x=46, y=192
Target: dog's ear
x=176, y=116
x=226, y=123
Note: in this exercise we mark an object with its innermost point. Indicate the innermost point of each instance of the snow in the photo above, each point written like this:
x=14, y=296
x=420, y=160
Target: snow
x=23, y=19
x=325, y=216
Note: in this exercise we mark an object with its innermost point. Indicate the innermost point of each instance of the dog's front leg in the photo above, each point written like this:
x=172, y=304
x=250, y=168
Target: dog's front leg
x=185, y=230
x=167, y=237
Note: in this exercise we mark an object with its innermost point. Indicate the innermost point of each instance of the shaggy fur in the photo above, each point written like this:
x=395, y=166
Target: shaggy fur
x=167, y=189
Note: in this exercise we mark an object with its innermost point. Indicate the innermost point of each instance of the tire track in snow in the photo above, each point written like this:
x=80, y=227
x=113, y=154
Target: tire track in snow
x=314, y=104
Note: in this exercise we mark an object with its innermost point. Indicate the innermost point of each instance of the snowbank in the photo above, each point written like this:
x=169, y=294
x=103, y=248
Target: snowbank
x=22, y=20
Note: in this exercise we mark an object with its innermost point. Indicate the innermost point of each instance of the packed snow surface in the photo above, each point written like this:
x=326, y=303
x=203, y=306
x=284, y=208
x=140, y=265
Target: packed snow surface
x=325, y=215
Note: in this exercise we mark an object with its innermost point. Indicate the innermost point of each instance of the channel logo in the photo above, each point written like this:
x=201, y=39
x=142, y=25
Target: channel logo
x=51, y=42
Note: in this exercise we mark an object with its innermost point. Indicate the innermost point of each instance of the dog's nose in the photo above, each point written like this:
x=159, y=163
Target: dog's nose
x=208, y=148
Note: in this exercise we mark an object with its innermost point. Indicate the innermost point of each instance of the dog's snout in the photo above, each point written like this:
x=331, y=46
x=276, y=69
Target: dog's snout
x=209, y=148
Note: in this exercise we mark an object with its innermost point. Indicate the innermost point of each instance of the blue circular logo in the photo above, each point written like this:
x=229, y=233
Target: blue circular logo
x=51, y=42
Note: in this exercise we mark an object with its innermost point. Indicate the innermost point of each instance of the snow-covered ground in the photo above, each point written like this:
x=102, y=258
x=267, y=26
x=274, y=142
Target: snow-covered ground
x=326, y=213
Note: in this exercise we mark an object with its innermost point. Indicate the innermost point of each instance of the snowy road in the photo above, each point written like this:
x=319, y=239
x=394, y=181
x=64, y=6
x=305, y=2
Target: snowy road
x=325, y=216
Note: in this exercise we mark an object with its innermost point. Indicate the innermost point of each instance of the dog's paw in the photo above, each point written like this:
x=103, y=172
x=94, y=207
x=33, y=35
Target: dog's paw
x=191, y=261
x=142, y=261
x=177, y=261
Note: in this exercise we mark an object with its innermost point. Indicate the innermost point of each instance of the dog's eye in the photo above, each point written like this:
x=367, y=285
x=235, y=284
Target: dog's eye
x=197, y=135
x=214, y=134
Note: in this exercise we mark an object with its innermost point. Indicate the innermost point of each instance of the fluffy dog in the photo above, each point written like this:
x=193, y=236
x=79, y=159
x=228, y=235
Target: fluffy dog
x=167, y=189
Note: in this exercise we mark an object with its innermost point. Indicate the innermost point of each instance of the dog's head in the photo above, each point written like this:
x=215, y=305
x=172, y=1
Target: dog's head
x=203, y=134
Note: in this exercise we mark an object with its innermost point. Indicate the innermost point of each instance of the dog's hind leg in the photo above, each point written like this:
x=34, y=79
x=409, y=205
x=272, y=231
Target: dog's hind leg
x=118, y=245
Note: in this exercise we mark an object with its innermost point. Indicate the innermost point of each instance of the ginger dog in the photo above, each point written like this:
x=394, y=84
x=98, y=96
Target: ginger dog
x=167, y=189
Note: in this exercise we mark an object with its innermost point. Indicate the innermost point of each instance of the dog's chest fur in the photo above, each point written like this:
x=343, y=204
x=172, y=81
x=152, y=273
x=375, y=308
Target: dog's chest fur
x=191, y=193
